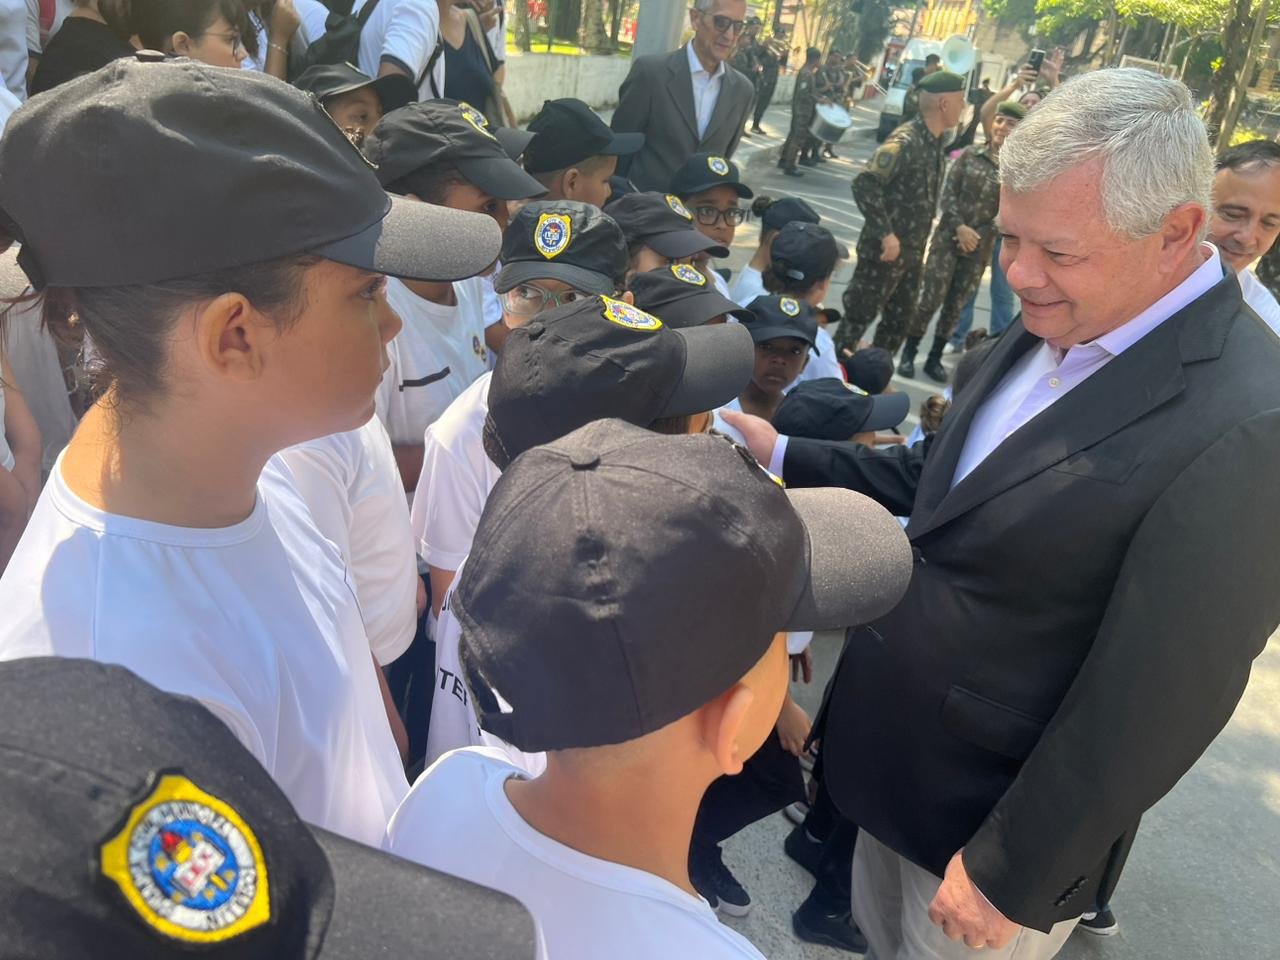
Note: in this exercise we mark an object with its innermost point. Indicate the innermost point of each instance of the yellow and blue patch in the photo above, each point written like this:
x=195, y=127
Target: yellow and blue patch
x=718, y=165
x=551, y=235
x=789, y=306
x=475, y=118
x=676, y=204
x=687, y=274
x=629, y=316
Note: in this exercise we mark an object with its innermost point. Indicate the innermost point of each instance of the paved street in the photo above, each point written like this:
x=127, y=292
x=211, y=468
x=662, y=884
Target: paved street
x=1204, y=876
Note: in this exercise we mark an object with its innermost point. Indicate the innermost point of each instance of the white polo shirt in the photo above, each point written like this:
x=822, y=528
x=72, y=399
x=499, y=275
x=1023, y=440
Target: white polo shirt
x=404, y=32
x=457, y=818
x=256, y=620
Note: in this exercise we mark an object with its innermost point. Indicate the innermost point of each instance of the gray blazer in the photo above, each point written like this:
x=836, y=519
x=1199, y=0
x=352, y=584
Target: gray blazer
x=656, y=99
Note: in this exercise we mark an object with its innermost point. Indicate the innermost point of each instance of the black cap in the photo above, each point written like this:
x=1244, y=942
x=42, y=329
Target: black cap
x=602, y=358
x=136, y=825
x=325, y=80
x=681, y=296
x=614, y=553
x=569, y=132
x=563, y=240
x=661, y=221
x=257, y=163
x=702, y=171
x=804, y=252
x=781, y=212
x=450, y=133
x=870, y=369
x=830, y=409
x=774, y=317
x=619, y=187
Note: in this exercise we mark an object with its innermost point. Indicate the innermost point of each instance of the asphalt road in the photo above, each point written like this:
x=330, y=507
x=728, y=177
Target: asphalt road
x=1203, y=881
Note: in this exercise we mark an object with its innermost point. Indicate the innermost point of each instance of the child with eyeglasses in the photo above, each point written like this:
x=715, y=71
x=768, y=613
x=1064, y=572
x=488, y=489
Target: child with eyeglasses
x=711, y=189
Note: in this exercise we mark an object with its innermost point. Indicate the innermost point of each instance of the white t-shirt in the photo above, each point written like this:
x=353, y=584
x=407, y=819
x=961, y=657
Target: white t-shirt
x=457, y=818
x=1260, y=298
x=35, y=42
x=439, y=352
x=404, y=31
x=352, y=486
x=13, y=46
x=748, y=286
x=7, y=460
x=312, y=15
x=37, y=370
x=455, y=481
x=257, y=621
x=821, y=364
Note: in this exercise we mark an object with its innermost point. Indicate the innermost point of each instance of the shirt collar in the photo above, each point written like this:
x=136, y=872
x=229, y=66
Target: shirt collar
x=695, y=65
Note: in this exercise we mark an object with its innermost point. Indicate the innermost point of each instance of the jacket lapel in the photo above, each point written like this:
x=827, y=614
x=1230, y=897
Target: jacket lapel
x=680, y=89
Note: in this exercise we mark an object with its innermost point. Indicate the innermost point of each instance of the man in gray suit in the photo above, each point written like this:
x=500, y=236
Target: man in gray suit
x=687, y=102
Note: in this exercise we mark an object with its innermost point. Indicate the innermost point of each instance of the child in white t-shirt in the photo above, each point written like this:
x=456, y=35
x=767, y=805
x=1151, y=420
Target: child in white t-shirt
x=439, y=152
x=603, y=558
x=161, y=542
x=710, y=188
x=773, y=216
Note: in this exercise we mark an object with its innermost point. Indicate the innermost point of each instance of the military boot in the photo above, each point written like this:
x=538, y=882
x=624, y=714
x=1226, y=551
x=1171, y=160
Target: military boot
x=933, y=367
x=907, y=365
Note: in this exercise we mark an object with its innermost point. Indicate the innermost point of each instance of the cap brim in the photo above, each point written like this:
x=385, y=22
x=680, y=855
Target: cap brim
x=859, y=560
x=685, y=243
x=514, y=140
x=741, y=189
x=887, y=411
x=502, y=177
x=696, y=310
x=761, y=334
x=842, y=251
x=623, y=145
x=522, y=271
x=389, y=907
x=421, y=241
x=719, y=361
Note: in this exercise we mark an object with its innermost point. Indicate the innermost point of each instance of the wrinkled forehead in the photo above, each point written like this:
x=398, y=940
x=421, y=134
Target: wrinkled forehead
x=736, y=9
x=1068, y=207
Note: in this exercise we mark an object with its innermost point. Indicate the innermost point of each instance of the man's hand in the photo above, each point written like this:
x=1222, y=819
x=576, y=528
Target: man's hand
x=967, y=238
x=872, y=439
x=963, y=913
x=793, y=727
x=890, y=248
x=760, y=436
x=1028, y=74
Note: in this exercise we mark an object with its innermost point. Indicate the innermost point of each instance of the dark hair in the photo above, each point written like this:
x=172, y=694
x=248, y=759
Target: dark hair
x=431, y=184
x=156, y=21
x=777, y=282
x=127, y=325
x=917, y=75
x=932, y=410
x=672, y=426
x=812, y=54
x=932, y=59
x=1250, y=154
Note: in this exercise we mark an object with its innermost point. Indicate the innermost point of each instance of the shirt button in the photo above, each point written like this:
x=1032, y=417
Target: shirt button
x=1054, y=381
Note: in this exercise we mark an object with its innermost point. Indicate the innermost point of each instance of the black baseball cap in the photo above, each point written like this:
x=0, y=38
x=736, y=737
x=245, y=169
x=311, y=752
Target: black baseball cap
x=613, y=553
x=325, y=80
x=702, y=171
x=682, y=296
x=600, y=358
x=661, y=221
x=870, y=369
x=804, y=252
x=619, y=186
x=785, y=210
x=774, y=316
x=451, y=133
x=563, y=240
x=258, y=163
x=136, y=825
x=830, y=409
x=569, y=132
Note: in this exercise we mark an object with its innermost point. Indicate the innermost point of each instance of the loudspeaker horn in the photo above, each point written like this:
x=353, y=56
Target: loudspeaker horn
x=958, y=55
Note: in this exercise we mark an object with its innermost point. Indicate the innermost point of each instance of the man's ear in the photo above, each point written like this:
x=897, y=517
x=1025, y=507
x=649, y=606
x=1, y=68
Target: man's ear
x=231, y=337
x=721, y=721
x=180, y=43
x=1180, y=232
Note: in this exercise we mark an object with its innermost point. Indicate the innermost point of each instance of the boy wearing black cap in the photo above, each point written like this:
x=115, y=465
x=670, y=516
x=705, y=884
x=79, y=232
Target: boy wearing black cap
x=441, y=152
x=602, y=559
x=710, y=188
x=594, y=358
x=659, y=230
x=356, y=101
x=773, y=216
x=802, y=263
x=682, y=296
x=784, y=330
x=575, y=153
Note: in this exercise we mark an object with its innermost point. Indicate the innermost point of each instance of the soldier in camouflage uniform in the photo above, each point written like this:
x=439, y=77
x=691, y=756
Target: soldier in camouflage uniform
x=766, y=56
x=962, y=243
x=830, y=85
x=803, y=102
x=897, y=194
x=744, y=54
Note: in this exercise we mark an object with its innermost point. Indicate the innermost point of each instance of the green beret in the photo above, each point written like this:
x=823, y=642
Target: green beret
x=1012, y=109
x=942, y=81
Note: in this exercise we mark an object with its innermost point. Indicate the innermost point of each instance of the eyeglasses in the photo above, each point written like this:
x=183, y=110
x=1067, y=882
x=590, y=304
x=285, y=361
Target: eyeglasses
x=724, y=24
x=232, y=37
x=710, y=216
x=526, y=300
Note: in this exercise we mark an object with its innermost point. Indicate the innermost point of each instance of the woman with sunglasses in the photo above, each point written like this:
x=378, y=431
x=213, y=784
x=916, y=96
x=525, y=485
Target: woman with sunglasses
x=711, y=189
x=211, y=31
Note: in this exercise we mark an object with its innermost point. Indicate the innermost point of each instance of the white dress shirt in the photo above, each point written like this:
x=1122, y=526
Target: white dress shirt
x=1260, y=298
x=706, y=89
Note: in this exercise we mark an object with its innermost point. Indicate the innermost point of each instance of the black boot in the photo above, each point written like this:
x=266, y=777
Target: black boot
x=933, y=367
x=907, y=366
x=792, y=171
x=836, y=928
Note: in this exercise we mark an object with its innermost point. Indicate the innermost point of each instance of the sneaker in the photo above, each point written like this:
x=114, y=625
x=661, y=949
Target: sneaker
x=796, y=812
x=803, y=849
x=733, y=896
x=700, y=876
x=1101, y=923
x=828, y=929
x=756, y=128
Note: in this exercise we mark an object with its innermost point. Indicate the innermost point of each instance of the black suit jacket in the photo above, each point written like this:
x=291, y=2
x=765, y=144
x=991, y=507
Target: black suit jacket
x=1083, y=612
x=656, y=99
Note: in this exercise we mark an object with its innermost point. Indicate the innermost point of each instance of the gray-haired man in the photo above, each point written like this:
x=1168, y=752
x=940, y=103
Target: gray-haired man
x=1057, y=665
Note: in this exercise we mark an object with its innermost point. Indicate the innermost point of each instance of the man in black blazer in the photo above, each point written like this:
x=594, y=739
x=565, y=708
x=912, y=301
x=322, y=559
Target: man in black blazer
x=1094, y=528
x=687, y=102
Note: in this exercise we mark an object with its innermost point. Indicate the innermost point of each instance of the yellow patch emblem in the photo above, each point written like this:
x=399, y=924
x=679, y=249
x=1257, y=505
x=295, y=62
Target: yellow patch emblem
x=688, y=274
x=551, y=235
x=678, y=206
x=475, y=118
x=718, y=165
x=188, y=865
x=790, y=307
x=631, y=317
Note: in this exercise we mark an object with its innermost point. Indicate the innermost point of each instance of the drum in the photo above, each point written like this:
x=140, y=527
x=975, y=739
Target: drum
x=830, y=122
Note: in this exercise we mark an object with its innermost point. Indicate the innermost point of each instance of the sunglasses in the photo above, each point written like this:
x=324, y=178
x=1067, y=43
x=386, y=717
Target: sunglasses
x=725, y=24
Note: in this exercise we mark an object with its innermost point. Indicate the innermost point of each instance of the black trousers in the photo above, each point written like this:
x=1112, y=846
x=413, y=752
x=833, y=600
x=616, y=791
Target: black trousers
x=770, y=780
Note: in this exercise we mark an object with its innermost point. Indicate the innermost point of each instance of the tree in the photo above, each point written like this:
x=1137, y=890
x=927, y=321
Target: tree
x=593, y=37
x=523, y=39
x=1235, y=43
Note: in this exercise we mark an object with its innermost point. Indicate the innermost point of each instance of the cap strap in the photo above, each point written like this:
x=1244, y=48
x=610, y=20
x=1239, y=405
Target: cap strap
x=483, y=700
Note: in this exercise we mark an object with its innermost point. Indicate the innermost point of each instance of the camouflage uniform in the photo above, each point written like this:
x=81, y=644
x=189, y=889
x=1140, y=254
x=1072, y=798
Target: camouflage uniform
x=767, y=81
x=744, y=59
x=829, y=84
x=911, y=104
x=897, y=193
x=803, y=102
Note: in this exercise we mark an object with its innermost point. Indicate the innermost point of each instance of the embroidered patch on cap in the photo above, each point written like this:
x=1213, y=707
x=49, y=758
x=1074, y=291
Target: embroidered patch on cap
x=188, y=865
x=675, y=204
x=790, y=307
x=688, y=274
x=631, y=317
x=719, y=166
x=551, y=235
x=854, y=388
x=475, y=118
